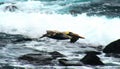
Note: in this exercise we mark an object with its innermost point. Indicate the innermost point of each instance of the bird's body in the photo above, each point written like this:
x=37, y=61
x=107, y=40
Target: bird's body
x=62, y=35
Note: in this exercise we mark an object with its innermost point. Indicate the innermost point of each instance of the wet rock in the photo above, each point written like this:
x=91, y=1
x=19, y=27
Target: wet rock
x=7, y=67
x=23, y=39
x=6, y=38
x=1, y=3
x=43, y=58
x=11, y=8
x=14, y=38
x=113, y=47
x=56, y=54
x=66, y=62
x=91, y=59
x=11, y=67
x=37, y=59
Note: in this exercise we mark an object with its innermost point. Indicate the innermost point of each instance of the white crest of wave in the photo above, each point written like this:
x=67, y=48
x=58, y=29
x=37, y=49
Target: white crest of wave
x=96, y=30
x=31, y=6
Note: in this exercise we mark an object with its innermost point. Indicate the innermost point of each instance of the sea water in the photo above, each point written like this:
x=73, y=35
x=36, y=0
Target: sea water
x=34, y=17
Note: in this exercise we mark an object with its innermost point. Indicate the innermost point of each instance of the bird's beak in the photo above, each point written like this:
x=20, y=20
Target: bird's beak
x=81, y=37
x=43, y=35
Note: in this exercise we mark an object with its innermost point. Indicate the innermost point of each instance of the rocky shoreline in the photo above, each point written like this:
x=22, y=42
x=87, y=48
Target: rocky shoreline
x=56, y=58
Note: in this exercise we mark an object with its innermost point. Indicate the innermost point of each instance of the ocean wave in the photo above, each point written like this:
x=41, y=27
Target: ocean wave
x=96, y=30
x=74, y=7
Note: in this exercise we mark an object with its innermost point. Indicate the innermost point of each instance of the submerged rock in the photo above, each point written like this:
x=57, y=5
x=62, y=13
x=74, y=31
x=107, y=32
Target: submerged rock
x=113, y=47
x=13, y=38
x=91, y=59
x=37, y=59
x=23, y=39
x=41, y=58
x=56, y=54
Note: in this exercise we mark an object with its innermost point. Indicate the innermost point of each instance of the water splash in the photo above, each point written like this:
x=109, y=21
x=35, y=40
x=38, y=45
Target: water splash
x=98, y=30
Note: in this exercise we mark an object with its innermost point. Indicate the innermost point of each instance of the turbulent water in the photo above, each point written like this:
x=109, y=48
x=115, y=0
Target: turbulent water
x=96, y=20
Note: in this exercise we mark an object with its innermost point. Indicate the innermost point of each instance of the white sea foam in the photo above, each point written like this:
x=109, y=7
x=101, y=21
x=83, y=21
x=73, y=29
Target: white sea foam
x=96, y=30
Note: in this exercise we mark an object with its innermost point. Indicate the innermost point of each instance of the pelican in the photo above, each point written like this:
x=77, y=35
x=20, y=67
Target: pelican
x=62, y=35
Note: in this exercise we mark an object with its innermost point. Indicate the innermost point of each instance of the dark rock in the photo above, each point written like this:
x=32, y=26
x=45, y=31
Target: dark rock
x=37, y=59
x=23, y=39
x=2, y=3
x=91, y=59
x=113, y=47
x=11, y=8
x=6, y=37
x=66, y=62
x=7, y=67
x=11, y=67
x=56, y=54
